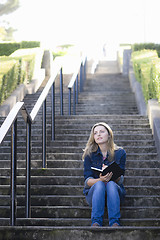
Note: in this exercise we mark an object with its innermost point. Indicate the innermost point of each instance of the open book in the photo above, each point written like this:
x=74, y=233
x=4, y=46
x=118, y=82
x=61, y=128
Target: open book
x=113, y=167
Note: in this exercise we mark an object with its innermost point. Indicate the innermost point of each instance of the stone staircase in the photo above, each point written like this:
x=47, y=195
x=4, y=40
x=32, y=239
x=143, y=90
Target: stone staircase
x=59, y=210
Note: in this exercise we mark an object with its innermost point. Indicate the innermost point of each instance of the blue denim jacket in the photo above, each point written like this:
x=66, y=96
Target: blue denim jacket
x=96, y=160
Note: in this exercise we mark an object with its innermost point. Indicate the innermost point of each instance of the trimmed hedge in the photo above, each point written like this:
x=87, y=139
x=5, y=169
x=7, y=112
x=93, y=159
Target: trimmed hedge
x=30, y=44
x=146, y=66
x=14, y=71
x=9, y=78
x=8, y=48
x=61, y=50
x=150, y=46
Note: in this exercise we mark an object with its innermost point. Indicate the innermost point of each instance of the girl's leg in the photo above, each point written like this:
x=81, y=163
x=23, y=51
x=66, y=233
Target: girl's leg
x=114, y=193
x=96, y=199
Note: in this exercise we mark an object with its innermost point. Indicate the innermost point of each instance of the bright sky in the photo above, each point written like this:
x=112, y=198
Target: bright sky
x=94, y=21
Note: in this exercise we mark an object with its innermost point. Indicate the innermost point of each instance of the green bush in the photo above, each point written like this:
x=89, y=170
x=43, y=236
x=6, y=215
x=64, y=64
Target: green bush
x=7, y=48
x=146, y=67
x=61, y=50
x=29, y=44
x=9, y=77
x=150, y=46
x=16, y=69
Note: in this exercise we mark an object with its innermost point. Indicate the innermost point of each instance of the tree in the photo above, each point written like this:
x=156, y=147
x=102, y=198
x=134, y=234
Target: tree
x=9, y=6
x=2, y=33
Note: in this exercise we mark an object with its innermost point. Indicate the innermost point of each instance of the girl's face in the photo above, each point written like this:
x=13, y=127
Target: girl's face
x=100, y=134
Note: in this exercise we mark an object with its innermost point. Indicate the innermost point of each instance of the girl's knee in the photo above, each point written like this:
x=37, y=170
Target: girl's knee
x=99, y=186
x=112, y=186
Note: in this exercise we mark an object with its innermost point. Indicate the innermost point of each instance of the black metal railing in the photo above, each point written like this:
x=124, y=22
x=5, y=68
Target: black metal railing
x=11, y=122
x=80, y=73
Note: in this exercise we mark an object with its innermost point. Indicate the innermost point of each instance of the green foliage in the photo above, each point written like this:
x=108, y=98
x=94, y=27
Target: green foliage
x=146, y=66
x=29, y=44
x=61, y=50
x=7, y=48
x=16, y=69
x=150, y=46
x=59, y=54
x=9, y=78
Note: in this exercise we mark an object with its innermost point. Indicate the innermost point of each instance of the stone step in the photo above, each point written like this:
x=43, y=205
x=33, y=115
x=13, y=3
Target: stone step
x=74, y=156
x=83, y=128
x=117, y=137
x=86, y=131
x=92, y=118
x=72, y=149
x=88, y=123
x=79, y=180
x=124, y=143
x=83, y=138
x=40, y=201
x=80, y=232
x=78, y=163
x=114, y=124
x=86, y=222
x=78, y=222
x=80, y=212
x=100, y=111
x=78, y=171
x=75, y=190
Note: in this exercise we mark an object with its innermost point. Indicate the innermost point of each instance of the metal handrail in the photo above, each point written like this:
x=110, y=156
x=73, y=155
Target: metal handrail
x=73, y=84
x=11, y=122
x=29, y=119
x=11, y=119
x=57, y=67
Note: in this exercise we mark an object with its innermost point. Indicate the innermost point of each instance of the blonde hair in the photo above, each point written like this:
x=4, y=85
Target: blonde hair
x=92, y=146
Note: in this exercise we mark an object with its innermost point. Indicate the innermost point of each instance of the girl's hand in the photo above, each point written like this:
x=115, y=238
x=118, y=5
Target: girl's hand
x=106, y=178
x=104, y=166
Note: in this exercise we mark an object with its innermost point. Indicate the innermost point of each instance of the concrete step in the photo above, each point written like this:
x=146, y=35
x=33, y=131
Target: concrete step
x=77, y=222
x=78, y=163
x=78, y=232
x=75, y=156
x=81, y=212
x=133, y=193
x=72, y=149
x=81, y=144
x=79, y=180
x=82, y=127
x=78, y=171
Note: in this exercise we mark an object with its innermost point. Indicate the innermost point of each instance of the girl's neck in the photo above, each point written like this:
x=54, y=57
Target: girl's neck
x=104, y=149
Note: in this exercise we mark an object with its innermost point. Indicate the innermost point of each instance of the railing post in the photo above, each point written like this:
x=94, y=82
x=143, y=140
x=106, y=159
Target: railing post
x=74, y=98
x=53, y=111
x=69, y=101
x=28, y=168
x=81, y=78
x=85, y=69
x=44, y=135
x=61, y=91
x=13, y=173
x=77, y=89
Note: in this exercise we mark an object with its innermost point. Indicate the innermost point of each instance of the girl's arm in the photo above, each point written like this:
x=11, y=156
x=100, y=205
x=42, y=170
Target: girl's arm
x=105, y=178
